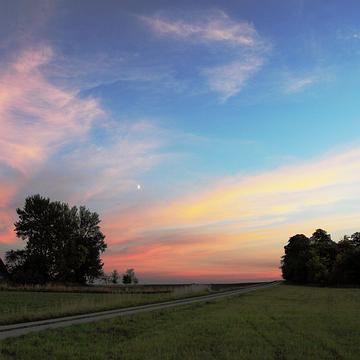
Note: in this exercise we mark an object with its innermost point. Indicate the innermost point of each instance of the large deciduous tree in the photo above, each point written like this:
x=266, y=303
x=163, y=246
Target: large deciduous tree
x=63, y=243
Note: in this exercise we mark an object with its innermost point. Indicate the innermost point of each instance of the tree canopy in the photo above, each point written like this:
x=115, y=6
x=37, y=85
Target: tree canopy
x=63, y=243
x=129, y=277
x=114, y=277
x=320, y=260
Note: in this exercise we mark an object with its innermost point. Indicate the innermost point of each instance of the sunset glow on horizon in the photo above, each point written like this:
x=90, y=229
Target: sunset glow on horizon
x=204, y=135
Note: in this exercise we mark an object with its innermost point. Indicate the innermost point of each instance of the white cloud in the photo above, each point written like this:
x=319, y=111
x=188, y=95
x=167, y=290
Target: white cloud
x=59, y=144
x=229, y=79
x=101, y=174
x=36, y=116
x=295, y=85
x=299, y=81
x=210, y=26
x=242, y=47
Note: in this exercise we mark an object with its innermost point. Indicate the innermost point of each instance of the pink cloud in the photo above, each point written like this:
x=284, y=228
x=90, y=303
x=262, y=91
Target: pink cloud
x=236, y=229
x=214, y=26
x=39, y=118
x=36, y=117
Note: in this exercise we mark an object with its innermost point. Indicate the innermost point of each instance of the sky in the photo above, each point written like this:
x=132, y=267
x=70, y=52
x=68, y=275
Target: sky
x=204, y=133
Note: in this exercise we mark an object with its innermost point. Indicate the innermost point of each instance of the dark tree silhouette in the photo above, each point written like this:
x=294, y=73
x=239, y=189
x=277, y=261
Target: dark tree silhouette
x=63, y=244
x=355, y=239
x=322, y=257
x=114, y=277
x=320, y=260
x=3, y=270
x=295, y=258
x=129, y=277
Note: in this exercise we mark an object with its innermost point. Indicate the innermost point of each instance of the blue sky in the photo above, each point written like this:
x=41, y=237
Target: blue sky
x=187, y=100
x=306, y=87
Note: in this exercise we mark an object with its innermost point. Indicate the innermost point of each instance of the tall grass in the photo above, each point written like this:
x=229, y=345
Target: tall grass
x=285, y=322
x=35, y=302
x=20, y=306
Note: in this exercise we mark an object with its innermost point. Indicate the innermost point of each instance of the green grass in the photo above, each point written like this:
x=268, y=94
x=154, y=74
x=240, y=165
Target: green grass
x=285, y=322
x=19, y=306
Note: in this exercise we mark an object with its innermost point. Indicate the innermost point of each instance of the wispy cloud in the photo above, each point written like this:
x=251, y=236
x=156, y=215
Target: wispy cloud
x=103, y=69
x=256, y=199
x=36, y=116
x=244, y=220
x=36, y=120
x=60, y=144
x=208, y=26
x=229, y=79
x=304, y=80
x=106, y=173
x=348, y=34
x=243, y=48
x=299, y=84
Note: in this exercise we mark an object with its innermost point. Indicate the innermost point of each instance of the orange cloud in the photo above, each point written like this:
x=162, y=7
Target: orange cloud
x=243, y=221
x=232, y=230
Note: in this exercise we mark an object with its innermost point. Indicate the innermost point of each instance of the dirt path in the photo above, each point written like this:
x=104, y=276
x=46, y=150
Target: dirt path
x=7, y=331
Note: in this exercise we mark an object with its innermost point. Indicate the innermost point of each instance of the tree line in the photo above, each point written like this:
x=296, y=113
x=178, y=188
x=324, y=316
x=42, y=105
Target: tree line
x=128, y=278
x=320, y=260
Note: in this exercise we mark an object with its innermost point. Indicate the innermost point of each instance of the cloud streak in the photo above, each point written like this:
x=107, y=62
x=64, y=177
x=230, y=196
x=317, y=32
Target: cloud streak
x=62, y=145
x=243, y=220
x=299, y=82
x=243, y=48
x=36, y=116
x=36, y=120
x=230, y=79
x=215, y=26
x=296, y=85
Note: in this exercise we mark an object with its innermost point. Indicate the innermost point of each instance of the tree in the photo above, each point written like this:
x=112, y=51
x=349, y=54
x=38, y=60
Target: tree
x=317, y=269
x=3, y=271
x=355, y=239
x=293, y=263
x=129, y=277
x=322, y=261
x=347, y=265
x=344, y=267
x=320, y=236
x=105, y=279
x=322, y=257
x=89, y=244
x=114, y=277
x=62, y=244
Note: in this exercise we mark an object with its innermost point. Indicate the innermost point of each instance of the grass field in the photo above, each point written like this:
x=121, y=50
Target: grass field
x=284, y=322
x=18, y=306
